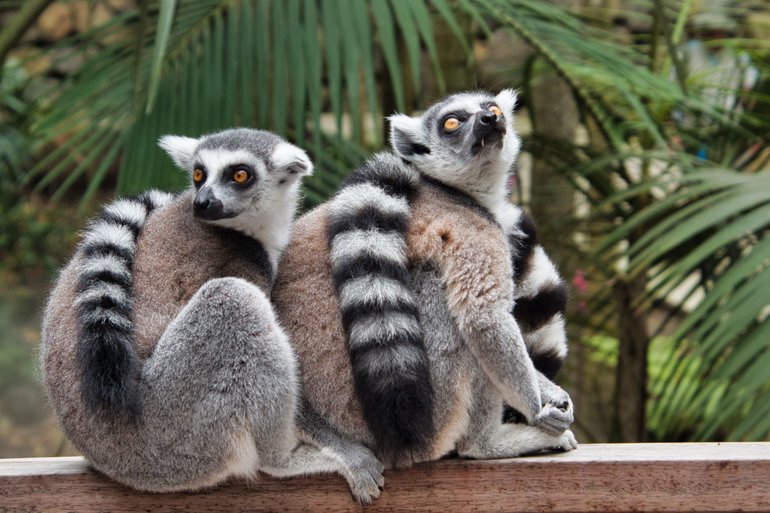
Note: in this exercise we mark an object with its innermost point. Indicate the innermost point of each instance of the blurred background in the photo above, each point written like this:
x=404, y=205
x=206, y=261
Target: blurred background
x=646, y=163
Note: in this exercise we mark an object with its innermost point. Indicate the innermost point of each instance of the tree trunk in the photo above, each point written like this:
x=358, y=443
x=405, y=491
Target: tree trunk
x=631, y=371
x=555, y=117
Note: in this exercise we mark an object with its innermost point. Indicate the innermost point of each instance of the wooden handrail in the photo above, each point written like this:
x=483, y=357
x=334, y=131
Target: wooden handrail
x=598, y=477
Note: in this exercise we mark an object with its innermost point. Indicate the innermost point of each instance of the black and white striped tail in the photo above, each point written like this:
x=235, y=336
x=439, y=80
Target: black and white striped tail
x=540, y=299
x=105, y=349
x=369, y=217
x=540, y=302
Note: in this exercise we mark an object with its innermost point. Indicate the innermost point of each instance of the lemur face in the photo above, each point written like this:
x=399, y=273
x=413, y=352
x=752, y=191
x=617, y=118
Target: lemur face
x=467, y=125
x=459, y=137
x=237, y=171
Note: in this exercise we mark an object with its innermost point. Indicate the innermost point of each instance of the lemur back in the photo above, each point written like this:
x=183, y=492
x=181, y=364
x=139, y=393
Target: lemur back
x=160, y=351
x=431, y=218
x=186, y=267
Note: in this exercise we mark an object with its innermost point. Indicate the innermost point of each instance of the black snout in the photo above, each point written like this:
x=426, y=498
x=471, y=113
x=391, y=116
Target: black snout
x=207, y=206
x=487, y=118
x=487, y=131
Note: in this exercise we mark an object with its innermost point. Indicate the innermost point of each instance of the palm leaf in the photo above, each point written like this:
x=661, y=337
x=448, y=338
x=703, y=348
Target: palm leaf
x=715, y=366
x=197, y=66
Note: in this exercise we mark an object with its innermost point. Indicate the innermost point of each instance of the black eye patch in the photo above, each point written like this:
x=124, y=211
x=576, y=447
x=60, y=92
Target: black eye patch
x=451, y=123
x=240, y=174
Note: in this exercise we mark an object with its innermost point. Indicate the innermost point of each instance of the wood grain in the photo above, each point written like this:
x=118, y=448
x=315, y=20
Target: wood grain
x=612, y=477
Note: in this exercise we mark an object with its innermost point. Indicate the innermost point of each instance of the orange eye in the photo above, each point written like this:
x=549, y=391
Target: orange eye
x=451, y=124
x=241, y=176
x=198, y=175
x=494, y=109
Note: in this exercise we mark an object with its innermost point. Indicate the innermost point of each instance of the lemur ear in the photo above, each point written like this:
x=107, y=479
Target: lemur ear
x=180, y=149
x=506, y=100
x=406, y=136
x=290, y=162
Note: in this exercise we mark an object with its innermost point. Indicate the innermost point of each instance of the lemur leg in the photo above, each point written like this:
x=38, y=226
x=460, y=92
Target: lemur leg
x=497, y=344
x=222, y=394
x=283, y=454
x=547, y=345
x=221, y=369
x=362, y=469
x=489, y=438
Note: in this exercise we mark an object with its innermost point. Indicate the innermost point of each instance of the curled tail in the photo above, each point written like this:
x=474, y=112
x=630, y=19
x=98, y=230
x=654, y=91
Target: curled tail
x=369, y=217
x=105, y=349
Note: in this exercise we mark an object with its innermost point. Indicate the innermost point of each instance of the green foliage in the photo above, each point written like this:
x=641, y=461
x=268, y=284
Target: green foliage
x=198, y=66
x=30, y=238
x=710, y=236
x=680, y=199
x=17, y=366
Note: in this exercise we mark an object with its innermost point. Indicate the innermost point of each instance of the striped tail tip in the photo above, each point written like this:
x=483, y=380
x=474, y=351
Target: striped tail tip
x=369, y=218
x=105, y=352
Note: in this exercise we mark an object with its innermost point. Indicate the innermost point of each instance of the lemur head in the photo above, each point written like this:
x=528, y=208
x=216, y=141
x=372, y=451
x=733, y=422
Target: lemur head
x=245, y=180
x=239, y=171
x=465, y=140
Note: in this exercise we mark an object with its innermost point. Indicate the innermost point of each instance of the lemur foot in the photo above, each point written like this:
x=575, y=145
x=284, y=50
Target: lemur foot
x=567, y=442
x=363, y=472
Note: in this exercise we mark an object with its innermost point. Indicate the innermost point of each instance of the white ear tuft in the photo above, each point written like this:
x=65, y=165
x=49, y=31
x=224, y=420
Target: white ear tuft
x=290, y=162
x=506, y=100
x=180, y=149
x=406, y=136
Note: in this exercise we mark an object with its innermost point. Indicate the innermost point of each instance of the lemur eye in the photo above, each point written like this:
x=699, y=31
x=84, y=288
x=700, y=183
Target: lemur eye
x=198, y=175
x=241, y=176
x=451, y=124
x=494, y=109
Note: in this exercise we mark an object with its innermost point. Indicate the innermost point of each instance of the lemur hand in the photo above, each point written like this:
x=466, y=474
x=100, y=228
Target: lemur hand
x=557, y=413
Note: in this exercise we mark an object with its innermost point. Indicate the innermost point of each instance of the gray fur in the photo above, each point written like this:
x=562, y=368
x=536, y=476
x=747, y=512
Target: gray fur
x=384, y=246
x=477, y=432
x=485, y=179
x=218, y=384
x=443, y=197
x=374, y=290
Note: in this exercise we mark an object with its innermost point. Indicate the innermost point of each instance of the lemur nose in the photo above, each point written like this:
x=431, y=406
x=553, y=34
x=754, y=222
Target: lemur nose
x=207, y=206
x=201, y=203
x=487, y=118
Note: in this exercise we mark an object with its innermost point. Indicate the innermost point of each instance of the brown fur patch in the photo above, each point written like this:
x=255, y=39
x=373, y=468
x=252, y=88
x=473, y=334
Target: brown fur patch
x=470, y=251
x=169, y=269
x=309, y=310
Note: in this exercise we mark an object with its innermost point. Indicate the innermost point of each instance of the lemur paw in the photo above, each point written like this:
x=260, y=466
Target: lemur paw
x=557, y=415
x=567, y=442
x=363, y=472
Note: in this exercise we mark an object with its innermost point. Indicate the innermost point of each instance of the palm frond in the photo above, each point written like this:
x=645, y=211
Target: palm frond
x=714, y=227
x=198, y=66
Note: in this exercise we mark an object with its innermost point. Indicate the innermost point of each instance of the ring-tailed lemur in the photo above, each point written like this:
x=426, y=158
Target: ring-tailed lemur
x=160, y=351
x=407, y=274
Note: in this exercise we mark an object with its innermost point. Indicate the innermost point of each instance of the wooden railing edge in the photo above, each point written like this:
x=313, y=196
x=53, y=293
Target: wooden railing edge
x=596, y=477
